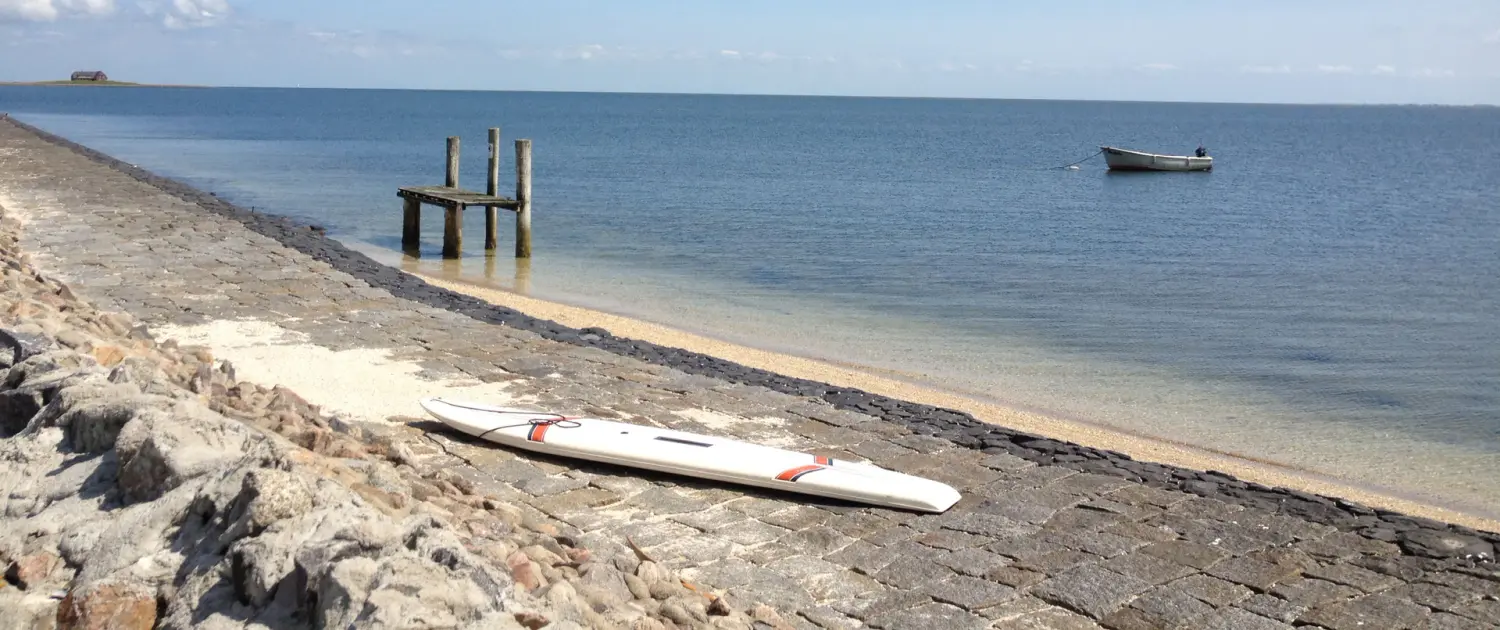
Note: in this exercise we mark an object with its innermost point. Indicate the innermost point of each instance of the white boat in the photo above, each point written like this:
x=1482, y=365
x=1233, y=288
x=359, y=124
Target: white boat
x=1127, y=160
x=692, y=454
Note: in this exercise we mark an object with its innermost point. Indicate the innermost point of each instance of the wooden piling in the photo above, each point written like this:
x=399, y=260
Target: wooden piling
x=453, y=233
x=523, y=198
x=411, y=224
x=452, y=181
x=492, y=213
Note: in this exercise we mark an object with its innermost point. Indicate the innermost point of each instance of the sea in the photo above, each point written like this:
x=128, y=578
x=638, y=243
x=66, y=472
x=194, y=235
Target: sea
x=1326, y=299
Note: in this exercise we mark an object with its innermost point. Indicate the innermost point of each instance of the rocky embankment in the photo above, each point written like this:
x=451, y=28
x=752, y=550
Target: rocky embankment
x=142, y=485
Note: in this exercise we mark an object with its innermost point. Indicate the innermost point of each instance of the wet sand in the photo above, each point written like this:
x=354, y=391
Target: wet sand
x=1140, y=447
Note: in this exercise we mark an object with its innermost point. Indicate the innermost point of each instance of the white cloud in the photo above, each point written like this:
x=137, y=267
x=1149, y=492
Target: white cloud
x=49, y=10
x=196, y=13
x=185, y=14
x=582, y=53
x=1329, y=69
x=1384, y=70
x=1493, y=38
x=1157, y=67
x=732, y=54
x=1436, y=73
x=1281, y=69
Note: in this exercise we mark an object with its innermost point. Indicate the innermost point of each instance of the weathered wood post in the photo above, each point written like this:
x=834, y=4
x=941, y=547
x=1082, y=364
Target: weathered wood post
x=453, y=220
x=492, y=213
x=411, y=224
x=453, y=233
x=523, y=199
x=452, y=181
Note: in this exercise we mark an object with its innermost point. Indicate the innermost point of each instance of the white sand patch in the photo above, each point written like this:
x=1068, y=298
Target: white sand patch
x=362, y=384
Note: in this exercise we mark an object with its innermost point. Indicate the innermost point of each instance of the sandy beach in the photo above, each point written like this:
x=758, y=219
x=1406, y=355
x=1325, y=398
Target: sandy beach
x=1137, y=446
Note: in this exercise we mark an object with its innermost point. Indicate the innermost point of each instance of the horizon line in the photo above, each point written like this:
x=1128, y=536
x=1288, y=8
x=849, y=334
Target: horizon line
x=56, y=83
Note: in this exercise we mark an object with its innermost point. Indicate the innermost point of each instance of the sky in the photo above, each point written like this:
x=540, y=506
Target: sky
x=1290, y=51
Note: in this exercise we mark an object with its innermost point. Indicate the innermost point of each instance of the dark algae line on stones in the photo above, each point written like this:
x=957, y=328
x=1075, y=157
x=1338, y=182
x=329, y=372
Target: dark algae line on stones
x=1415, y=535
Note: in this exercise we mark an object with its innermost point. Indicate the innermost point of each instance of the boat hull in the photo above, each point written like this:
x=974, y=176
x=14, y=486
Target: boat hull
x=692, y=454
x=1126, y=160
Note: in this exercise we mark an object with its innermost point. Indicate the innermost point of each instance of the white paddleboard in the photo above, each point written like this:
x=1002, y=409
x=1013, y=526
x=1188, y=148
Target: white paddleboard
x=692, y=454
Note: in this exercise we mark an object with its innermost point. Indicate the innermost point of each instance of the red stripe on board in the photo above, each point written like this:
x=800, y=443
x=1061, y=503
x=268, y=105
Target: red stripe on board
x=819, y=459
x=538, y=432
x=793, y=474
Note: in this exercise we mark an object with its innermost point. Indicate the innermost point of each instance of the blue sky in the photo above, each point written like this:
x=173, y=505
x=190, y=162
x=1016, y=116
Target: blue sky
x=1436, y=51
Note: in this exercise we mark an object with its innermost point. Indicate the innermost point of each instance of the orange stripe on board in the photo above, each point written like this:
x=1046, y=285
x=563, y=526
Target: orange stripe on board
x=795, y=473
x=819, y=459
x=538, y=432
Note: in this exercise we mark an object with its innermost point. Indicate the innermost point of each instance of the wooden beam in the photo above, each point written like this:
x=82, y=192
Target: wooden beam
x=523, y=199
x=442, y=196
x=491, y=213
x=453, y=236
x=452, y=181
x=411, y=224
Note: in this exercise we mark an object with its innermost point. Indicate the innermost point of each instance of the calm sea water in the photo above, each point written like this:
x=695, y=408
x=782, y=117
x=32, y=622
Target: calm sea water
x=1328, y=298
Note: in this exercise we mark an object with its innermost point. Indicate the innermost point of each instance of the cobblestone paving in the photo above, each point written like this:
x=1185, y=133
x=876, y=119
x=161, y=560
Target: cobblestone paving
x=1030, y=546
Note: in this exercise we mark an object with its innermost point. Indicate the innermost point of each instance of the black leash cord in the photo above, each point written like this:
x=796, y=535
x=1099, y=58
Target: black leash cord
x=558, y=420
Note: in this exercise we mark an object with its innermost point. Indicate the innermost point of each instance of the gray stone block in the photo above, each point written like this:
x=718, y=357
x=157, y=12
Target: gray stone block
x=1237, y=619
x=969, y=593
x=1212, y=590
x=973, y=562
x=548, y=486
x=881, y=603
x=841, y=585
x=1190, y=554
x=1097, y=543
x=1049, y=619
x=1147, y=568
x=1350, y=575
x=1435, y=596
x=710, y=520
x=990, y=525
x=829, y=619
x=816, y=541
x=1091, y=590
x=907, y=572
x=1310, y=593
x=932, y=615
x=796, y=517
x=1273, y=608
x=1160, y=608
x=1373, y=611
x=1256, y=574
x=750, y=532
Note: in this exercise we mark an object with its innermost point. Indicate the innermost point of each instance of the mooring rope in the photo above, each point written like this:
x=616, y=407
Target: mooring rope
x=554, y=419
x=1096, y=154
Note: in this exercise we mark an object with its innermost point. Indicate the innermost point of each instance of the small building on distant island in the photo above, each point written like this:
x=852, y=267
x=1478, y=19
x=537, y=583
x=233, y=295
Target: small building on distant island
x=90, y=75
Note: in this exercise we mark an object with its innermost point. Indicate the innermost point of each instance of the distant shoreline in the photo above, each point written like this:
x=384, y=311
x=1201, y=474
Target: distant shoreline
x=64, y=82
x=1417, y=104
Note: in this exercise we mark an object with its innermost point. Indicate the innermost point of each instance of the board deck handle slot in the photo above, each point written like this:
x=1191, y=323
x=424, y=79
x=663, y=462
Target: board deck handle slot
x=681, y=441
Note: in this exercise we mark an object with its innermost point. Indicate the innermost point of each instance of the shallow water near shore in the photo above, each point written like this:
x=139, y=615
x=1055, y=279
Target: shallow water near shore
x=1322, y=300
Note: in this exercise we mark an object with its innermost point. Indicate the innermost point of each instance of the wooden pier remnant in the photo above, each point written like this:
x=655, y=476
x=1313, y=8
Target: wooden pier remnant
x=523, y=199
x=454, y=199
x=492, y=188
